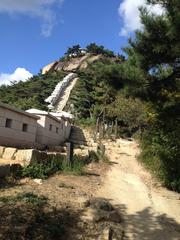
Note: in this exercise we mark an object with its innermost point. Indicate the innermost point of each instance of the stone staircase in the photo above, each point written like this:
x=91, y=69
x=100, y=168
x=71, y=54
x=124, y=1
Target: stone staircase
x=77, y=136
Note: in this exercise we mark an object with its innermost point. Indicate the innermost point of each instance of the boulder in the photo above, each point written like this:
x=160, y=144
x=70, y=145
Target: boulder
x=100, y=210
x=26, y=157
x=9, y=153
x=100, y=203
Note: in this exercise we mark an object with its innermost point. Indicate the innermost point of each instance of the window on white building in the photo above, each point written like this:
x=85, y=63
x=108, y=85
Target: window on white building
x=8, y=123
x=50, y=127
x=24, y=127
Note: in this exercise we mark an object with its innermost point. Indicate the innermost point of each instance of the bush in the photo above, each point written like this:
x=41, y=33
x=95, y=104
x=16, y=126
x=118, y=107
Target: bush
x=76, y=167
x=53, y=165
x=97, y=156
x=160, y=153
x=45, y=169
x=86, y=122
x=28, y=197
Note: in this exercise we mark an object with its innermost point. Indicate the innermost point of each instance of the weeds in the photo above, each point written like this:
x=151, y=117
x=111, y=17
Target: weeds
x=45, y=169
x=25, y=216
x=97, y=157
x=53, y=165
x=64, y=185
x=76, y=167
x=30, y=198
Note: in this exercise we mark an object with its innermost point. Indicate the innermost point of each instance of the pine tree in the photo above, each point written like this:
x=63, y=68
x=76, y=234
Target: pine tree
x=156, y=51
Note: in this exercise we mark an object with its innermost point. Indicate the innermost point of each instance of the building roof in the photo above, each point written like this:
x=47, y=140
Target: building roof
x=63, y=114
x=43, y=113
x=11, y=108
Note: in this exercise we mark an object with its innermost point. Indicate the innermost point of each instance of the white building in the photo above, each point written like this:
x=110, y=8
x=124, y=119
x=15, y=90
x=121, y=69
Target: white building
x=67, y=117
x=51, y=130
x=32, y=128
x=17, y=128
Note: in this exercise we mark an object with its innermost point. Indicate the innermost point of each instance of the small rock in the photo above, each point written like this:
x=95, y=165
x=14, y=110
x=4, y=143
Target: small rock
x=114, y=217
x=38, y=181
x=101, y=204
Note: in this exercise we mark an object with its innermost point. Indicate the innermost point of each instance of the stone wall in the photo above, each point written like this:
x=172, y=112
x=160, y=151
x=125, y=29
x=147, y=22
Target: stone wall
x=59, y=89
x=10, y=157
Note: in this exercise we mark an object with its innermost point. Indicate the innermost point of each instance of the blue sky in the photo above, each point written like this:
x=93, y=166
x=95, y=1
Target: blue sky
x=36, y=32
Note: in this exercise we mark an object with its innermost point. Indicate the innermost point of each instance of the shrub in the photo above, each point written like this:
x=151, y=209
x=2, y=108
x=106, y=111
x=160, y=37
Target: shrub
x=45, y=169
x=160, y=153
x=76, y=167
x=28, y=197
x=97, y=157
x=53, y=165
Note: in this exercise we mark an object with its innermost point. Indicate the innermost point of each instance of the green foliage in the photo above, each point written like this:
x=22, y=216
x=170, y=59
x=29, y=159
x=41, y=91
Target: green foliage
x=95, y=49
x=130, y=113
x=86, y=122
x=31, y=94
x=28, y=197
x=96, y=87
x=101, y=92
x=93, y=156
x=76, y=49
x=97, y=156
x=76, y=167
x=160, y=152
x=155, y=52
x=53, y=165
x=45, y=169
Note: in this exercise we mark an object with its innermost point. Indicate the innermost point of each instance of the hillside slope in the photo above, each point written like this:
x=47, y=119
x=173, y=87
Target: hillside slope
x=32, y=93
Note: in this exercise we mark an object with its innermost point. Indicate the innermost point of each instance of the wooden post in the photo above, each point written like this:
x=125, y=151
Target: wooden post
x=116, y=128
x=100, y=132
x=70, y=150
x=112, y=125
x=103, y=124
x=97, y=130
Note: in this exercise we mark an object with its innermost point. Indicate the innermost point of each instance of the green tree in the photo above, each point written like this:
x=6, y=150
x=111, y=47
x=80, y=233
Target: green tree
x=76, y=49
x=154, y=53
x=32, y=93
x=95, y=49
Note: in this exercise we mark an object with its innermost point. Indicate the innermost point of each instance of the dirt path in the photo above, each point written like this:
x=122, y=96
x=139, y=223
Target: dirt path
x=150, y=211
x=65, y=96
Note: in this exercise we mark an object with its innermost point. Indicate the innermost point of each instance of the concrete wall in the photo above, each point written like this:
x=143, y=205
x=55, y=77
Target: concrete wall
x=48, y=136
x=14, y=135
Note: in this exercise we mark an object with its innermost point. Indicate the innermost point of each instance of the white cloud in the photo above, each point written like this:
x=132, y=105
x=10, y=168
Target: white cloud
x=129, y=13
x=34, y=8
x=20, y=74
